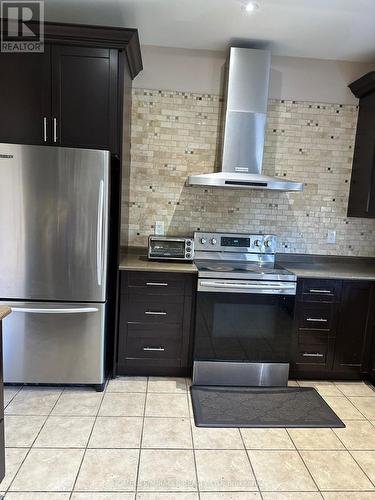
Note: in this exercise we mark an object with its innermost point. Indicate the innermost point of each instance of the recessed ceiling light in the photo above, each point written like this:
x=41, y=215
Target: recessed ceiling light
x=251, y=7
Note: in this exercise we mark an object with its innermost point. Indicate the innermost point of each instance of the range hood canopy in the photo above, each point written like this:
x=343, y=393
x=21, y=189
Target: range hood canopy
x=246, y=96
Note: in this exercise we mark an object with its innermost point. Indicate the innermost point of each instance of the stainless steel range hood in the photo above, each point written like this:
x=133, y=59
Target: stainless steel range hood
x=244, y=126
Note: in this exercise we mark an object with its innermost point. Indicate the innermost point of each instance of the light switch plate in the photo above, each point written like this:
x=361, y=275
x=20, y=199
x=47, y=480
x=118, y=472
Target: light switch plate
x=159, y=228
x=331, y=236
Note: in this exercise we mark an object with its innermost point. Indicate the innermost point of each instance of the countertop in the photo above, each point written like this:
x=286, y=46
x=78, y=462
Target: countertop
x=4, y=311
x=135, y=259
x=328, y=267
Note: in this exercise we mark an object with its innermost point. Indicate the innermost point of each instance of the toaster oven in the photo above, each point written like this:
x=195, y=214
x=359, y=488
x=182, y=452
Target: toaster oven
x=170, y=248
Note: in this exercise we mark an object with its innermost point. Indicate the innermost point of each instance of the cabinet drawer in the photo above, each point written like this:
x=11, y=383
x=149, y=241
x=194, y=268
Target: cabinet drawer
x=151, y=309
x=313, y=336
x=153, y=283
x=144, y=341
x=320, y=290
x=312, y=353
x=314, y=316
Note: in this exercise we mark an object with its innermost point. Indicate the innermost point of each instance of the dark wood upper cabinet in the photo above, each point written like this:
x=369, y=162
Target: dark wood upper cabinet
x=362, y=186
x=84, y=97
x=70, y=95
x=353, y=335
x=25, y=97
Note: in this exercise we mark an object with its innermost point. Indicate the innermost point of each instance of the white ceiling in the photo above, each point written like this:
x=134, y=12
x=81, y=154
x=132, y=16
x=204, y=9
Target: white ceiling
x=323, y=29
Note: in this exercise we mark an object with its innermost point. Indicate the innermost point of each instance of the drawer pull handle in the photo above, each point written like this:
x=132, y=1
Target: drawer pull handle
x=151, y=283
x=320, y=320
x=156, y=313
x=312, y=355
x=153, y=349
x=314, y=290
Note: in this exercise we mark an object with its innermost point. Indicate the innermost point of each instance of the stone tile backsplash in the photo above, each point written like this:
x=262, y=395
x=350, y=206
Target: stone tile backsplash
x=175, y=134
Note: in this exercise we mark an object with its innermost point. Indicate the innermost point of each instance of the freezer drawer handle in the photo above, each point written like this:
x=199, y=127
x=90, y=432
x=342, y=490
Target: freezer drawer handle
x=320, y=320
x=150, y=283
x=156, y=313
x=99, y=234
x=312, y=355
x=75, y=310
x=45, y=129
x=153, y=349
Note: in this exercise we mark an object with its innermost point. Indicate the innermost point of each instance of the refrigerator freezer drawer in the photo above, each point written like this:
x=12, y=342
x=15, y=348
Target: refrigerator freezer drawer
x=54, y=343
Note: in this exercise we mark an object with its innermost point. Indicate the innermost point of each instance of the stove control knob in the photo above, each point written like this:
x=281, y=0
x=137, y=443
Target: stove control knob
x=203, y=241
x=257, y=243
x=268, y=243
x=213, y=241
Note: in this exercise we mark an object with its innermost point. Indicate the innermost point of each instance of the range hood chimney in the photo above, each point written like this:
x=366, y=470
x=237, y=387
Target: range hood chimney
x=245, y=115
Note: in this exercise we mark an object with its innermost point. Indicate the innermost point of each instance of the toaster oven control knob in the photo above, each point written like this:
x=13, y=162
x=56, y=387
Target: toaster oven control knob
x=188, y=243
x=203, y=241
x=213, y=241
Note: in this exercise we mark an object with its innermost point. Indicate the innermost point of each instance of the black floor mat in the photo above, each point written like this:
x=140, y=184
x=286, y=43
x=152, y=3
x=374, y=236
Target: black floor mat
x=261, y=407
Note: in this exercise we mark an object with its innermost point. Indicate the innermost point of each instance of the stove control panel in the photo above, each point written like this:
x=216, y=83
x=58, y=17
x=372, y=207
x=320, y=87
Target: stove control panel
x=231, y=242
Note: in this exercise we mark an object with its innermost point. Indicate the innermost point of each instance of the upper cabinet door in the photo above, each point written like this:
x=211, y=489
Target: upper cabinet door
x=84, y=97
x=25, y=97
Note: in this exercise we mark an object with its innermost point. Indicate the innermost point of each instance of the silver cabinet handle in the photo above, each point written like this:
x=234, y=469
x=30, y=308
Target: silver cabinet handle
x=54, y=129
x=153, y=349
x=156, y=313
x=45, y=129
x=313, y=290
x=320, y=320
x=75, y=310
x=312, y=355
x=150, y=283
x=99, y=234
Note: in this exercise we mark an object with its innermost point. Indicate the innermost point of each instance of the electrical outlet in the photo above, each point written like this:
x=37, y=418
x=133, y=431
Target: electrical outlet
x=159, y=228
x=331, y=236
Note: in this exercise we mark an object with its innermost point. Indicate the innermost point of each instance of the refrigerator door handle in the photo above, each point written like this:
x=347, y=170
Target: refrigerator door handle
x=99, y=234
x=36, y=310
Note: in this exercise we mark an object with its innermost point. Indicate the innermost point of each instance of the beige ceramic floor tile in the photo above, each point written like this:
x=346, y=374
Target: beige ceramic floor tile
x=280, y=471
x=366, y=460
x=325, y=388
x=13, y=460
x=103, y=496
x=343, y=408
x=33, y=402
x=166, y=433
x=166, y=384
x=167, y=496
x=267, y=439
x=357, y=435
x=307, y=495
x=65, y=432
x=37, y=496
x=116, y=432
x=356, y=389
x=9, y=393
x=354, y=495
x=293, y=383
x=127, y=384
x=315, y=383
x=167, y=470
x=315, y=439
x=366, y=405
x=78, y=403
x=167, y=405
x=216, y=439
x=335, y=470
x=48, y=470
x=129, y=404
x=224, y=470
x=21, y=430
x=108, y=470
x=230, y=495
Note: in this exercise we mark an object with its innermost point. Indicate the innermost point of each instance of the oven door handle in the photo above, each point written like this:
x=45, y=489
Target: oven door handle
x=248, y=286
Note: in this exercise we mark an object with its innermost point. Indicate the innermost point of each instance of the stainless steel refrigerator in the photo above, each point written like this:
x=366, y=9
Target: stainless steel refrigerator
x=54, y=205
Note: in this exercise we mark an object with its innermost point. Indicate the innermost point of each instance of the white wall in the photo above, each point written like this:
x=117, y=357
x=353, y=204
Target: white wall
x=292, y=78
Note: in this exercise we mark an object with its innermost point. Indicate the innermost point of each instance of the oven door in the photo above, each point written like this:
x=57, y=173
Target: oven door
x=248, y=321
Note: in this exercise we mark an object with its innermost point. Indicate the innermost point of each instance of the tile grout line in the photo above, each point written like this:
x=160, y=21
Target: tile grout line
x=251, y=465
x=191, y=418
x=36, y=437
x=88, y=440
x=141, y=440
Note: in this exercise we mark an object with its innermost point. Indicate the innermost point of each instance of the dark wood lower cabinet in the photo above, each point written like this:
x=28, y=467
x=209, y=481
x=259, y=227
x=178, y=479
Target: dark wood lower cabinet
x=334, y=321
x=156, y=322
